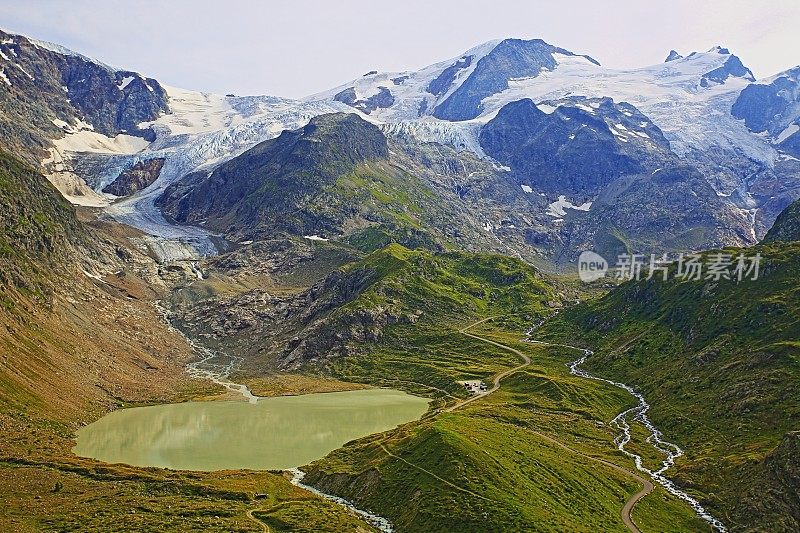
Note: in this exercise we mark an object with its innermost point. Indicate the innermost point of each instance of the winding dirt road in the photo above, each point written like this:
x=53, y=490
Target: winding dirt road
x=264, y=527
x=647, y=485
x=627, y=509
x=499, y=377
x=625, y=514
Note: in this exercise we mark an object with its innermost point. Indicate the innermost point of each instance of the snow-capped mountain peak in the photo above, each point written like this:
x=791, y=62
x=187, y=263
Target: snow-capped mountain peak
x=726, y=65
x=57, y=48
x=772, y=107
x=453, y=89
x=407, y=95
x=719, y=50
x=686, y=99
x=673, y=55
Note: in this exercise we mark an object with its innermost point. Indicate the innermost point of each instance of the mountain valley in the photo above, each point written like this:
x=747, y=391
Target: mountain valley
x=417, y=231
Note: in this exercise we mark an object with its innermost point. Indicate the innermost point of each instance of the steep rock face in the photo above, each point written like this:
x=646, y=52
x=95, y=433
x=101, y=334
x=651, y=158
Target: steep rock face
x=112, y=102
x=442, y=83
x=669, y=210
x=577, y=149
x=773, y=108
x=382, y=99
x=512, y=58
x=759, y=104
x=270, y=184
x=733, y=67
x=43, y=91
x=787, y=225
x=37, y=227
x=138, y=177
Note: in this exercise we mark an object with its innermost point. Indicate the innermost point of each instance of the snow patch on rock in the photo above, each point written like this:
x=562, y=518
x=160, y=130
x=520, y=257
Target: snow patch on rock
x=559, y=208
x=788, y=132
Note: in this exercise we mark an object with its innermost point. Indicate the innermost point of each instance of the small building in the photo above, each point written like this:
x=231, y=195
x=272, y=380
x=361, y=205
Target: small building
x=475, y=386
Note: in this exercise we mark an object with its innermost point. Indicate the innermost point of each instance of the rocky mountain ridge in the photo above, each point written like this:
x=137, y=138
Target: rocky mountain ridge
x=48, y=92
x=680, y=113
x=787, y=225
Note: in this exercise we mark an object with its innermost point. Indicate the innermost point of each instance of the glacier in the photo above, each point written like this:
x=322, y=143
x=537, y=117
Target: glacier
x=689, y=98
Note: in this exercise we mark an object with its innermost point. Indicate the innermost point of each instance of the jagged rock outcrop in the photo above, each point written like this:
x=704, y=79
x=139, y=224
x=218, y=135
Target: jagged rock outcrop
x=270, y=186
x=383, y=98
x=45, y=90
x=673, y=55
x=787, y=225
x=578, y=148
x=37, y=229
x=138, y=177
x=511, y=58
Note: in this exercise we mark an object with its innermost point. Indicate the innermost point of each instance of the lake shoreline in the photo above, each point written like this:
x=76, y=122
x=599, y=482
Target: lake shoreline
x=272, y=433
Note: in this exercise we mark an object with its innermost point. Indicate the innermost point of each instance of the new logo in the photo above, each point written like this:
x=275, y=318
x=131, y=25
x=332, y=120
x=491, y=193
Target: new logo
x=591, y=266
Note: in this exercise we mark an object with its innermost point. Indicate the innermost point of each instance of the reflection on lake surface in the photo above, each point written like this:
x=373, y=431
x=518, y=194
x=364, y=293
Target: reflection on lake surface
x=273, y=434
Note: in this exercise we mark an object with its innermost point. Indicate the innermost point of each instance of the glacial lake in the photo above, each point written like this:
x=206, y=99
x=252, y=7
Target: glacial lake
x=273, y=434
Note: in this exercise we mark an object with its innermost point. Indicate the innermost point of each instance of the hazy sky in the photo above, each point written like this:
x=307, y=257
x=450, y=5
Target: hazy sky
x=302, y=47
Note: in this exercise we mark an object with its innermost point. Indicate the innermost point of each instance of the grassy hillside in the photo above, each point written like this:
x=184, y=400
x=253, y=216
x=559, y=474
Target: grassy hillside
x=536, y=455
x=430, y=294
x=76, y=342
x=395, y=295
x=350, y=311
x=719, y=362
x=448, y=285
x=37, y=229
x=787, y=225
x=329, y=178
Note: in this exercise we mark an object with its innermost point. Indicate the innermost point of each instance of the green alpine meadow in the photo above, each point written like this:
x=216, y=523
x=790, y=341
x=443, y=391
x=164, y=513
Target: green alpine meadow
x=284, y=277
